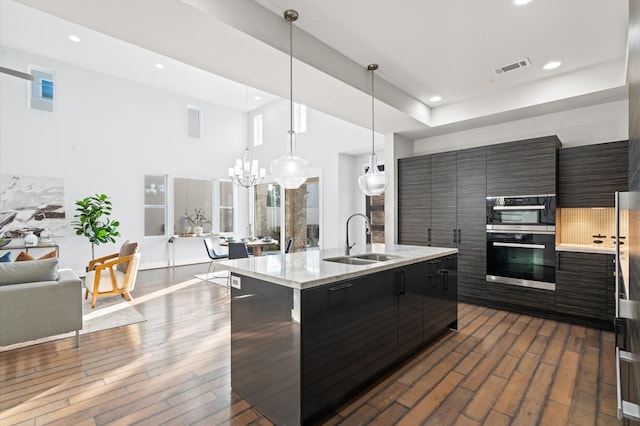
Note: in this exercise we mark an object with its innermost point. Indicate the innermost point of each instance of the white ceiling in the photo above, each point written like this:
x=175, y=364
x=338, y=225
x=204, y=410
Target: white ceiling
x=424, y=47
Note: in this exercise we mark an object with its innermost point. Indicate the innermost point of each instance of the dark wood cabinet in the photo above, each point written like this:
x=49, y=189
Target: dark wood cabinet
x=440, y=303
x=471, y=193
x=452, y=186
x=526, y=167
x=334, y=319
x=355, y=329
x=411, y=283
x=414, y=200
x=443, y=193
x=584, y=285
x=589, y=175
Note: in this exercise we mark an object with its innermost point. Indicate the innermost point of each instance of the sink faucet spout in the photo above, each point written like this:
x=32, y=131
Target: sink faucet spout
x=347, y=249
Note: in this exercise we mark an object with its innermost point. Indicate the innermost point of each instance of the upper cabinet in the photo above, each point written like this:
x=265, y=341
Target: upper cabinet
x=589, y=175
x=414, y=200
x=526, y=167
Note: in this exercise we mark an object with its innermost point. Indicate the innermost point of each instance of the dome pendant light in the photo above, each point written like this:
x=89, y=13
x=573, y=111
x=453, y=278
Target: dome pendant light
x=290, y=171
x=373, y=182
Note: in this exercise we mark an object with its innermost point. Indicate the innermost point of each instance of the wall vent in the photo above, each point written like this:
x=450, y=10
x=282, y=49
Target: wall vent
x=514, y=66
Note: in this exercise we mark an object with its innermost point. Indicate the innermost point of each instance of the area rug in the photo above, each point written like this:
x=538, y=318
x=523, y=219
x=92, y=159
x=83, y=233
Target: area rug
x=110, y=312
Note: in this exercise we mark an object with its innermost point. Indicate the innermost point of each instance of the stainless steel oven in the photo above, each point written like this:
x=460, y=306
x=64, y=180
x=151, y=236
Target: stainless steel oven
x=530, y=212
x=522, y=257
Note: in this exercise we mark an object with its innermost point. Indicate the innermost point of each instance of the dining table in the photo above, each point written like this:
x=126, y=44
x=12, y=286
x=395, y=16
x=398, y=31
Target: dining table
x=256, y=244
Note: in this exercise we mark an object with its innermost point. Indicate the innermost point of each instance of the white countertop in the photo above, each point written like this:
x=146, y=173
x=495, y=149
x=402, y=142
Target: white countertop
x=587, y=248
x=307, y=269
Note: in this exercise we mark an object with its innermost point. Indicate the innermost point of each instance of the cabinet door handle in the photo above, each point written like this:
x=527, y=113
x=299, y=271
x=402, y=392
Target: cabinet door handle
x=459, y=236
x=340, y=287
x=455, y=238
x=445, y=279
x=403, y=283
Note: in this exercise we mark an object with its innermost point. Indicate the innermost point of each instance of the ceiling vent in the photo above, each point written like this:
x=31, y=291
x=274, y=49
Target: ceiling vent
x=519, y=64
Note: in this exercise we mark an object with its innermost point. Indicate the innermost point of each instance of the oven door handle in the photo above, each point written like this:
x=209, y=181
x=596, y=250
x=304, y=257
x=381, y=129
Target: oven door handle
x=536, y=207
x=518, y=245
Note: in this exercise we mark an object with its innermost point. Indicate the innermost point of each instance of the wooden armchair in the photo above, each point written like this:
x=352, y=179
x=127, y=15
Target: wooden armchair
x=110, y=275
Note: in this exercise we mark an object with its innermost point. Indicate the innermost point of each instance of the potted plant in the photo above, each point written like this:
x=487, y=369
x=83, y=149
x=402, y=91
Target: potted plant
x=93, y=221
x=198, y=220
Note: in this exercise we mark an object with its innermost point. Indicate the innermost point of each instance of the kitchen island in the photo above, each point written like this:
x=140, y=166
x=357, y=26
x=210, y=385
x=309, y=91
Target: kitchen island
x=309, y=329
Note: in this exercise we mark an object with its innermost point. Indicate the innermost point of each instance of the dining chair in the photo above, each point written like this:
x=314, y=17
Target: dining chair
x=238, y=251
x=211, y=252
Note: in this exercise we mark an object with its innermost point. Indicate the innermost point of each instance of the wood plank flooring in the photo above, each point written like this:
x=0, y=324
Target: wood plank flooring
x=500, y=368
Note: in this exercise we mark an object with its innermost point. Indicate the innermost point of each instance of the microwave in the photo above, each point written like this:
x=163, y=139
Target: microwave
x=530, y=212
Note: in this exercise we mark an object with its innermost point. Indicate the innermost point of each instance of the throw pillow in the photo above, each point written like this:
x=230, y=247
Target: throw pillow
x=28, y=272
x=24, y=256
x=52, y=253
x=127, y=249
x=6, y=257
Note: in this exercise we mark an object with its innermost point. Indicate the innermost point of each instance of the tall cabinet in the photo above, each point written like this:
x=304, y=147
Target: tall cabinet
x=441, y=202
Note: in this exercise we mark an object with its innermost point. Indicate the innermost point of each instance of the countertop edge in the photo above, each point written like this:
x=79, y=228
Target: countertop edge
x=353, y=272
x=585, y=249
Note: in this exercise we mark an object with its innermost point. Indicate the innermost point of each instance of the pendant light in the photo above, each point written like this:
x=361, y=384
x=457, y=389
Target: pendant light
x=246, y=173
x=373, y=182
x=290, y=171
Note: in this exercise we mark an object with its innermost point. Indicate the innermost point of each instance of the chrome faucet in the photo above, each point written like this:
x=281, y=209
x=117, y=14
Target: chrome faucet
x=348, y=247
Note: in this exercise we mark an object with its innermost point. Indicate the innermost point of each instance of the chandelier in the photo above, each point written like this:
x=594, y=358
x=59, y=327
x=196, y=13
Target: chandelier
x=246, y=172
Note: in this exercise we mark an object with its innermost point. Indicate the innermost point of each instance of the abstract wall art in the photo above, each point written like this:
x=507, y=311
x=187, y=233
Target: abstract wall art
x=31, y=203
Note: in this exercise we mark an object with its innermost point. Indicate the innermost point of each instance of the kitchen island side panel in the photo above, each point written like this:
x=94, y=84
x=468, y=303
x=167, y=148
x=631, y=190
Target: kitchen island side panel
x=265, y=349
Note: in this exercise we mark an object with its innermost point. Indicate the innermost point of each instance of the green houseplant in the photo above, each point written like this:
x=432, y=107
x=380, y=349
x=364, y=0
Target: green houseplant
x=92, y=221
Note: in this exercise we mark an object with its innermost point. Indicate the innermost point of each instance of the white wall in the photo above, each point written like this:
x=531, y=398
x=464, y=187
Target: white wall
x=107, y=133
x=581, y=126
x=103, y=137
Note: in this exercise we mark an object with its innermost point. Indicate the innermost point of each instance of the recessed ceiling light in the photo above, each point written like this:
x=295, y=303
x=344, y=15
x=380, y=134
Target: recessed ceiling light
x=256, y=98
x=521, y=2
x=552, y=65
x=74, y=37
x=435, y=98
x=159, y=66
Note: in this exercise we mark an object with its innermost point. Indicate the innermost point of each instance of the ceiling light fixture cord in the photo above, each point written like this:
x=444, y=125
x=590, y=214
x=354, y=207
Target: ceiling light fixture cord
x=290, y=78
x=372, y=68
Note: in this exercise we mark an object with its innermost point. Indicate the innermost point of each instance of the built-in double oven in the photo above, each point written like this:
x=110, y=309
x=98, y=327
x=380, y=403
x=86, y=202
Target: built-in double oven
x=521, y=241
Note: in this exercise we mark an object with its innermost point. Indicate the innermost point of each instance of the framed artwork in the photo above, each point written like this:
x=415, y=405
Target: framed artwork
x=31, y=203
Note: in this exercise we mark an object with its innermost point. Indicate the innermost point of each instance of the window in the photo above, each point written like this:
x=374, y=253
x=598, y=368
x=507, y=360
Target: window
x=226, y=206
x=267, y=214
x=42, y=89
x=301, y=118
x=155, y=205
x=194, y=121
x=257, y=130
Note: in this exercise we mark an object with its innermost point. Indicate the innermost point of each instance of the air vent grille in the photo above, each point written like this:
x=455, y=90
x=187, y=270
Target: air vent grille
x=514, y=66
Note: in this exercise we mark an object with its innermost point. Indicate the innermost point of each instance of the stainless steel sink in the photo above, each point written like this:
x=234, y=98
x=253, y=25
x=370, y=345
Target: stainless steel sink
x=378, y=257
x=350, y=260
x=362, y=259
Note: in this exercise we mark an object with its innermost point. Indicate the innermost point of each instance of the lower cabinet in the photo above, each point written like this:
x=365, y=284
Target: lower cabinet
x=585, y=285
x=355, y=329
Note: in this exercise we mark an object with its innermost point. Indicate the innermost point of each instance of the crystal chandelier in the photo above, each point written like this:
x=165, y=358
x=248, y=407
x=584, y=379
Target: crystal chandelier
x=246, y=172
x=373, y=182
x=290, y=170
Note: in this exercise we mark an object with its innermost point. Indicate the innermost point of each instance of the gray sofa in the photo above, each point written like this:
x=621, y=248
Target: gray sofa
x=38, y=300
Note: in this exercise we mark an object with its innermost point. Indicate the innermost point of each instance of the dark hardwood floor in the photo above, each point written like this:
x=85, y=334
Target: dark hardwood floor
x=500, y=368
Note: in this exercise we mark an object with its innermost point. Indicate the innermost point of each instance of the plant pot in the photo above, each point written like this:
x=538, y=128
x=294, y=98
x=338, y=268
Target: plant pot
x=198, y=230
